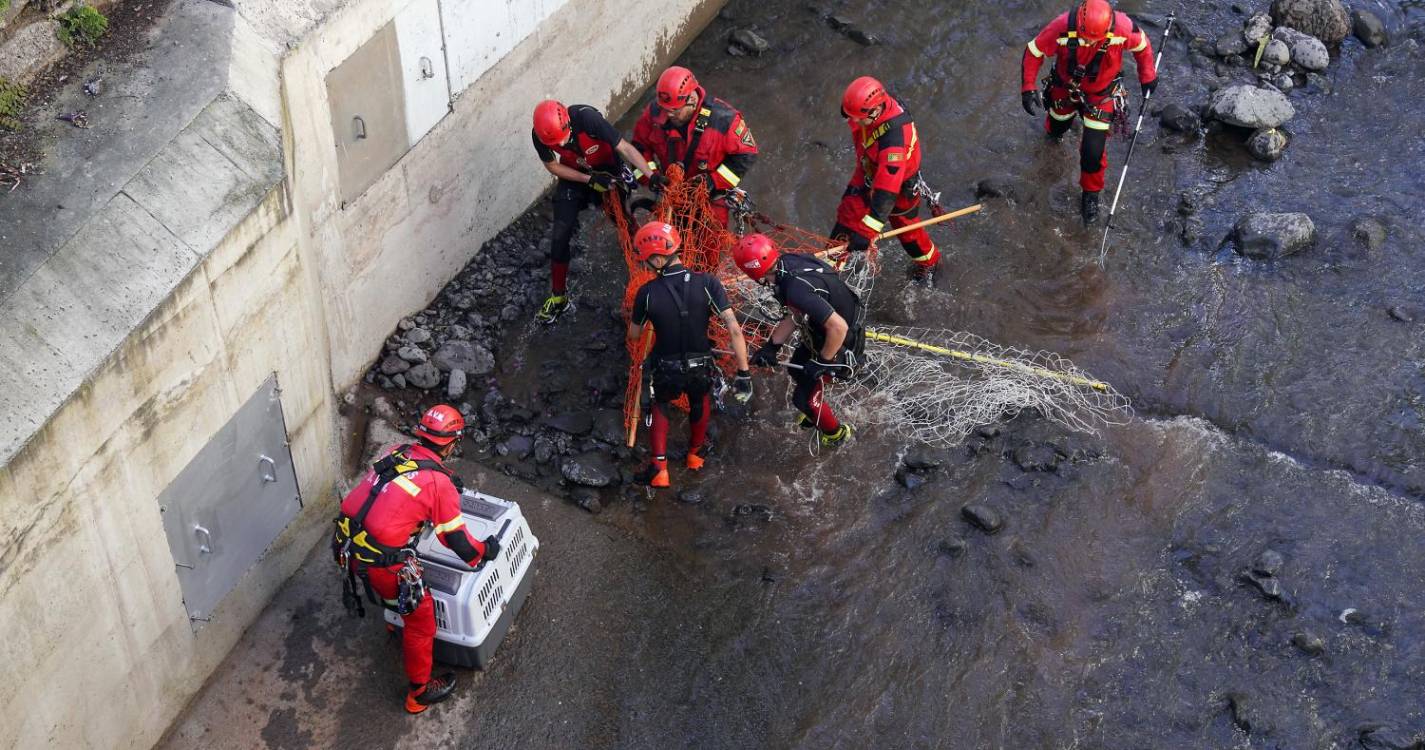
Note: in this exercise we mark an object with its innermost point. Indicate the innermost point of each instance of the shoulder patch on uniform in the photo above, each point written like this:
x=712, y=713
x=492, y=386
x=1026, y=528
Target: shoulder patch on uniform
x=746, y=134
x=895, y=156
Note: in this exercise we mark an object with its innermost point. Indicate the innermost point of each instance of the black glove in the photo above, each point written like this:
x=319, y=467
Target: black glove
x=657, y=182
x=858, y=243
x=767, y=355
x=814, y=368
x=742, y=386
x=1030, y=101
x=492, y=548
x=601, y=181
x=1148, y=88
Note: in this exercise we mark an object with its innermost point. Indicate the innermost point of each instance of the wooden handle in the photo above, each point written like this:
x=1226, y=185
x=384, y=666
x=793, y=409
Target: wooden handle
x=918, y=225
x=645, y=344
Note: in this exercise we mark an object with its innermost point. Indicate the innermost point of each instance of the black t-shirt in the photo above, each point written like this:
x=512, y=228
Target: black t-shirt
x=680, y=303
x=583, y=119
x=812, y=288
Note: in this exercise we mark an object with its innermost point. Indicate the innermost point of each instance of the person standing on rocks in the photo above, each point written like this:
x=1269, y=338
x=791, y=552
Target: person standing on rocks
x=704, y=134
x=375, y=533
x=829, y=314
x=679, y=304
x=590, y=157
x=1088, y=44
x=885, y=185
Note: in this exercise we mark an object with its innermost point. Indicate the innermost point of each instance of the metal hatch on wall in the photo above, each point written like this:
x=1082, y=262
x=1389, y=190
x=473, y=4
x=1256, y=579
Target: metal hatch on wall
x=230, y=502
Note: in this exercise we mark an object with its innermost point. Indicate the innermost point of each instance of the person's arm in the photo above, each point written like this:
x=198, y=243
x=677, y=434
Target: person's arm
x=1142, y=51
x=783, y=330
x=1044, y=44
x=635, y=330
x=632, y=156
x=739, y=153
x=638, y=316
x=836, y=329
x=450, y=526
x=734, y=334
x=567, y=173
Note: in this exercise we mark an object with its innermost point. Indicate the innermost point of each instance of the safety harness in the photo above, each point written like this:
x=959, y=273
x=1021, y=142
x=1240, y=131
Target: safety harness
x=854, y=346
x=1078, y=73
x=356, y=551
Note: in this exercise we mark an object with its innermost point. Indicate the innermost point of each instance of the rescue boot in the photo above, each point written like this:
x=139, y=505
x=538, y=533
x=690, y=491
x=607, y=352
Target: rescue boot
x=834, y=439
x=695, y=462
x=803, y=422
x=424, y=696
x=1088, y=208
x=554, y=306
x=655, y=475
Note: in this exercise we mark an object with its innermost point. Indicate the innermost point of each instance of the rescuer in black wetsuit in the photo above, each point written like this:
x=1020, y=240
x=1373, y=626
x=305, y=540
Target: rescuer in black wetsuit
x=680, y=304
x=829, y=314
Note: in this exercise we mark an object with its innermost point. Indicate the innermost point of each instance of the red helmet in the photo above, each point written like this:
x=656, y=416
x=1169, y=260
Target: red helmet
x=551, y=123
x=862, y=96
x=755, y=254
x=676, y=87
x=441, y=424
x=656, y=238
x=1095, y=20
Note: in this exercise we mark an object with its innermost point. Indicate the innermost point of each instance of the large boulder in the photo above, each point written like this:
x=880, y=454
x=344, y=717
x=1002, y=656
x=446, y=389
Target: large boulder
x=1231, y=43
x=464, y=355
x=1324, y=19
x=1267, y=144
x=592, y=469
x=1306, y=51
x=1250, y=107
x=1276, y=53
x=1257, y=27
x=1264, y=236
x=1368, y=28
x=1177, y=117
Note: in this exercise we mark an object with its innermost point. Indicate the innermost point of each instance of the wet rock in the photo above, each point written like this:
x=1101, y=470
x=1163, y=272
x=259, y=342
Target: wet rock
x=908, y=478
x=690, y=497
x=1177, y=117
x=518, y=446
x=398, y=381
x=987, y=433
x=922, y=459
x=417, y=336
x=1257, y=27
x=1402, y=314
x=983, y=518
x=464, y=355
x=1267, y=144
x=1369, y=231
x=1307, y=51
x=1324, y=19
x=412, y=354
x=1284, y=82
x=1250, y=107
x=406, y=324
x=996, y=187
x=543, y=451
x=1264, y=236
x=588, y=500
x=591, y=469
x=1230, y=43
x=838, y=22
x=752, y=512
x=423, y=376
x=1387, y=737
x=952, y=547
x=608, y=426
x=749, y=41
x=1036, y=458
x=394, y=365
x=863, y=38
x=1269, y=563
x=1276, y=53
x=576, y=423
x=1309, y=643
x=1246, y=715
x=1368, y=28
x=1269, y=587
x=455, y=389
x=1317, y=83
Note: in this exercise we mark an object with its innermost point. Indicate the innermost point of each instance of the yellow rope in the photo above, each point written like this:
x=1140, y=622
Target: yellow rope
x=983, y=360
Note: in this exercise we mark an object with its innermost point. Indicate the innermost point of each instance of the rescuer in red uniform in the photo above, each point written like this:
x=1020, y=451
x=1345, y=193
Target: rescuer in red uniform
x=380, y=518
x=588, y=155
x=705, y=134
x=1088, y=44
x=883, y=185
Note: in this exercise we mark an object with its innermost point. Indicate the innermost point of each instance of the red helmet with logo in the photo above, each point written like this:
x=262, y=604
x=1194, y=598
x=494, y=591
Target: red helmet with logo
x=862, y=97
x=551, y=123
x=755, y=254
x=441, y=424
x=1095, y=20
x=676, y=87
x=656, y=238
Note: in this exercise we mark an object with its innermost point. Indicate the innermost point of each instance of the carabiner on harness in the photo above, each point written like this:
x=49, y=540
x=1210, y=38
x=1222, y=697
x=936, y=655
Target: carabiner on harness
x=932, y=197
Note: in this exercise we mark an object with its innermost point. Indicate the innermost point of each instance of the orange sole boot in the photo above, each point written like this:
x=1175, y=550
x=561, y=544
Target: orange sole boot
x=433, y=692
x=655, y=475
x=695, y=462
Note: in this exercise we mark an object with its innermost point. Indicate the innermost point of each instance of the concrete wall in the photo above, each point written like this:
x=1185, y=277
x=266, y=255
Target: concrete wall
x=98, y=648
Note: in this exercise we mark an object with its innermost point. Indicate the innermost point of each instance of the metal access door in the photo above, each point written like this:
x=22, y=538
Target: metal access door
x=230, y=502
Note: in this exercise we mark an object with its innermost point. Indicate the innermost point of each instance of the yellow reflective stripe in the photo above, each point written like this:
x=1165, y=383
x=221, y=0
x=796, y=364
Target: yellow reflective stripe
x=927, y=256
x=1034, y=49
x=407, y=485
x=406, y=467
x=1060, y=117
x=914, y=138
x=729, y=175
x=705, y=112
x=871, y=222
x=1141, y=44
x=652, y=166
x=451, y=525
x=1095, y=124
x=1114, y=40
x=637, y=173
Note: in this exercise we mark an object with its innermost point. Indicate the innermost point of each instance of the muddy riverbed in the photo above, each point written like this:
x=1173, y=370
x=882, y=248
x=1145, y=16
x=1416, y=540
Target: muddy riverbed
x=1239, y=566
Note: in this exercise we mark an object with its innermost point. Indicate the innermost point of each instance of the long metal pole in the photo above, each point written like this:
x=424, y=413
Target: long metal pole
x=1113, y=209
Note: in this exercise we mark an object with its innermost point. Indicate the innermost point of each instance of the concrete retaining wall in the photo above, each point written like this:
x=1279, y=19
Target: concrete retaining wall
x=98, y=645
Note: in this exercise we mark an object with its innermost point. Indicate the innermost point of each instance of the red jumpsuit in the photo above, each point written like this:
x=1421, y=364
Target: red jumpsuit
x=1087, y=85
x=723, y=147
x=404, y=504
x=887, y=170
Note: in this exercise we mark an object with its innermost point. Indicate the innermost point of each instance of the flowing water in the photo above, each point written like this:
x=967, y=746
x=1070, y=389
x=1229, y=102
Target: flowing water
x=814, y=601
